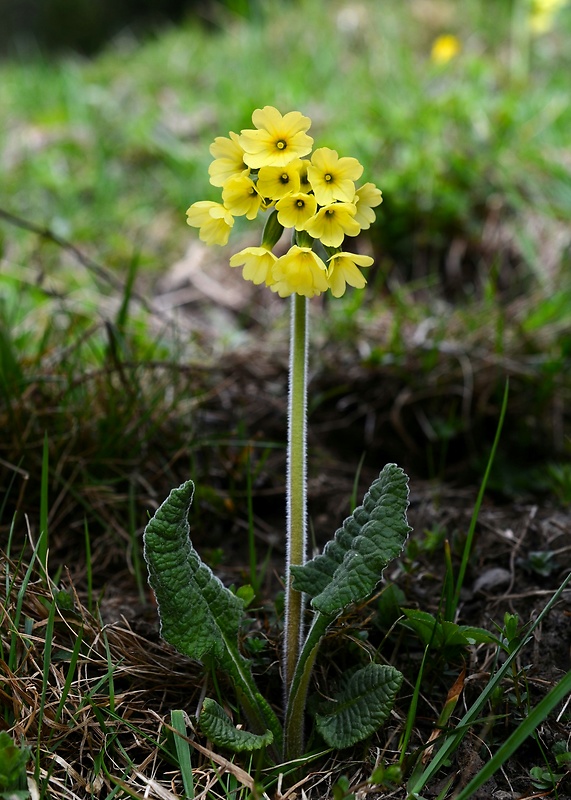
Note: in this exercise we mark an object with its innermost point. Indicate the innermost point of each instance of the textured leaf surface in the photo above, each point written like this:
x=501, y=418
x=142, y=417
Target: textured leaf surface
x=361, y=706
x=215, y=724
x=352, y=563
x=198, y=614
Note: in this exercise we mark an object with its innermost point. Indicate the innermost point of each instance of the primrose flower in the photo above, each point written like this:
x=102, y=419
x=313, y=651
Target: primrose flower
x=271, y=168
x=299, y=271
x=295, y=210
x=215, y=221
x=366, y=198
x=332, y=223
x=228, y=159
x=277, y=182
x=445, y=48
x=304, y=184
x=342, y=269
x=241, y=197
x=257, y=262
x=277, y=139
x=333, y=178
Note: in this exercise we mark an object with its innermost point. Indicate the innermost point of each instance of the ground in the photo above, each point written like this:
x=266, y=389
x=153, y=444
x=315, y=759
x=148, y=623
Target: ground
x=519, y=558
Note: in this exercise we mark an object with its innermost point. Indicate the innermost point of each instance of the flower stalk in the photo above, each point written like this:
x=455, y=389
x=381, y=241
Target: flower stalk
x=296, y=502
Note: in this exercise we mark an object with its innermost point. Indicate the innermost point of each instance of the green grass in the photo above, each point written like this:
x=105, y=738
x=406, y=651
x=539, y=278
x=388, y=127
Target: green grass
x=119, y=145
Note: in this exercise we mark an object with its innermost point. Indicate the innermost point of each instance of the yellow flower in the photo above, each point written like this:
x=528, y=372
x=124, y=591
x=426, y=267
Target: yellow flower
x=277, y=140
x=241, y=197
x=332, y=223
x=445, y=48
x=277, y=182
x=296, y=209
x=304, y=184
x=332, y=178
x=366, y=198
x=542, y=14
x=257, y=263
x=300, y=271
x=343, y=269
x=228, y=159
x=215, y=221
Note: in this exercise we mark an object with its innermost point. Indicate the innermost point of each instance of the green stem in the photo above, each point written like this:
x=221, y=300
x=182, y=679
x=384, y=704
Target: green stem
x=295, y=710
x=296, y=483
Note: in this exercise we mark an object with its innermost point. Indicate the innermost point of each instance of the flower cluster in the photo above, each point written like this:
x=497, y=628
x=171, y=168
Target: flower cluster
x=266, y=168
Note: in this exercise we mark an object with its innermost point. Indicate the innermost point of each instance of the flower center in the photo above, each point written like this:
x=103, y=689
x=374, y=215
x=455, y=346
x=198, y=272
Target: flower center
x=300, y=203
x=328, y=177
x=330, y=212
x=281, y=145
x=284, y=177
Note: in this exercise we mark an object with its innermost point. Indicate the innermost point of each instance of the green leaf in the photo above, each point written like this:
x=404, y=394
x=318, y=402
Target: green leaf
x=441, y=634
x=199, y=615
x=361, y=706
x=216, y=725
x=13, y=760
x=352, y=564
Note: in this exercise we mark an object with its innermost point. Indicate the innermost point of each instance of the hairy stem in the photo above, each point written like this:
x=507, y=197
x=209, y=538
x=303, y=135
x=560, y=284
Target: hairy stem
x=293, y=733
x=296, y=482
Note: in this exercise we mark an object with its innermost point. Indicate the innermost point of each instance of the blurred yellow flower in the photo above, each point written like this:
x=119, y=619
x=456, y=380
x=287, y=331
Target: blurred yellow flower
x=228, y=159
x=343, y=269
x=542, y=14
x=277, y=139
x=300, y=271
x=333, y=178
x=241, y=197
x=445, y=48
x=332, y=223
x=257, y=263
x=215, y=221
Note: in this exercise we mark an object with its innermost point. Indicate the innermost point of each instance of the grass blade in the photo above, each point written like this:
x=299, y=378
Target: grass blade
x=478, y=505
x=183, y=752
x=452, y=741
x=517, y=738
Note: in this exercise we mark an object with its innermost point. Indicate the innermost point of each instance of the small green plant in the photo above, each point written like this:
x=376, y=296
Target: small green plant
x=260, y=169
x=13, y=760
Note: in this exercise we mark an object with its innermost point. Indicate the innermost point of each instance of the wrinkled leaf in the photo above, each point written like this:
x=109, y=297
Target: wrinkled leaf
x=198, y=614
x=362, y=705
x=216, y=725
x=352, y=563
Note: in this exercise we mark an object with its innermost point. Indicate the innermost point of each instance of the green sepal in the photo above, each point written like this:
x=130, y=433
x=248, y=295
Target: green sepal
x=352, y=563
x=303, y=239
x=216, y=725
x=273, y=230
x=361, y=707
